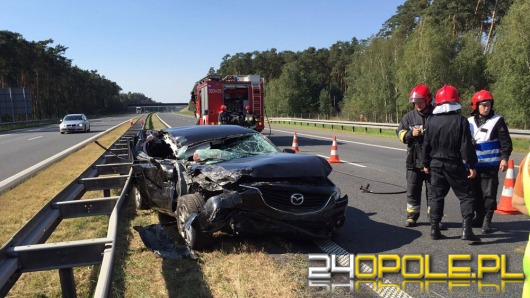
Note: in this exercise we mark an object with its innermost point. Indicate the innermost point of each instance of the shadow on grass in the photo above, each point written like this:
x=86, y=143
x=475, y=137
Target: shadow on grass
x=182, y=277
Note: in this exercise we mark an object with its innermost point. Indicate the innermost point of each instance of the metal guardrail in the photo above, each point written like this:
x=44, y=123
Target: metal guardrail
x=353, y=125
x=27, y=251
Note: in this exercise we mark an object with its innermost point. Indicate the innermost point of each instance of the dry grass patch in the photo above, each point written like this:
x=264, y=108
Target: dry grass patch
x=249, y=272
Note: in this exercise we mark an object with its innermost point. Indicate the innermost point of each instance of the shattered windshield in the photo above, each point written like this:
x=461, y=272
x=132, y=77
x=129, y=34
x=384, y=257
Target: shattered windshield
x=219, y=150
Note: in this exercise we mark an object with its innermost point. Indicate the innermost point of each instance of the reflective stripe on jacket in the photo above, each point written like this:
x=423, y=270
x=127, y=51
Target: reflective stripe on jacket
x=488, y=151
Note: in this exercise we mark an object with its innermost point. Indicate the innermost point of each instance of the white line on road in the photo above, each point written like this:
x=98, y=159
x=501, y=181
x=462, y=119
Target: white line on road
x=351, y=163
x=35, y=138
x=345, y=141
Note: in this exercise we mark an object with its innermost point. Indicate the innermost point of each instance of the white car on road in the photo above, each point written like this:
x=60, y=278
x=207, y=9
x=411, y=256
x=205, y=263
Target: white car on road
x=73, y=123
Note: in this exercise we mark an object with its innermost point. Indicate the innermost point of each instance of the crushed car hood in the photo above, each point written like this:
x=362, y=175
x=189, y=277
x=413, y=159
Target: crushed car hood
x=278, y=165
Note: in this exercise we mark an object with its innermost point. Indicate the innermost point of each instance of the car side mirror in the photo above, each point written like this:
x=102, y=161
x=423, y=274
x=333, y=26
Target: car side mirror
x=289, y=150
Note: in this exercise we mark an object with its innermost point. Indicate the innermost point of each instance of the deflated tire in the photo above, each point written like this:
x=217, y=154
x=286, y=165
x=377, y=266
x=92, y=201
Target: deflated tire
x=194, y=237
x=139, y=201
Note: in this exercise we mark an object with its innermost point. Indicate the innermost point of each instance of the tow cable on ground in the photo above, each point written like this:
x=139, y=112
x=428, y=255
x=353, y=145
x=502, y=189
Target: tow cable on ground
x=366, y=189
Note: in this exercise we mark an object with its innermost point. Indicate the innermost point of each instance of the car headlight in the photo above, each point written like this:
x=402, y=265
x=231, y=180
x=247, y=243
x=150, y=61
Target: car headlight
x=336, y=194
x=80, y=124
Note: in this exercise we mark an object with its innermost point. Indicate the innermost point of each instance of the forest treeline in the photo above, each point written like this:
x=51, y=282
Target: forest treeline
x=58, y=87
x=473, y=45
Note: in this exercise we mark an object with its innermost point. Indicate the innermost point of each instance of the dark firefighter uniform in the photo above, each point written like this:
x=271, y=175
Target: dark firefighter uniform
x=450, y=157
x=492, y=144
x=250, y=120
x=447, y=144
x=415, y=174
x=224, y=118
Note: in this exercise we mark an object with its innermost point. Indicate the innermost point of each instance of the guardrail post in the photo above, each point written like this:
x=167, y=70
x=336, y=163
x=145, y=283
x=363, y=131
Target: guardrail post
x=66, y=276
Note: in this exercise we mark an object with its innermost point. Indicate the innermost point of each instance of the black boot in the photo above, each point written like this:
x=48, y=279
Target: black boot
x=442, y=226
x=467, y=231
x=435, y=230
x=479, y=219
x=486, y=227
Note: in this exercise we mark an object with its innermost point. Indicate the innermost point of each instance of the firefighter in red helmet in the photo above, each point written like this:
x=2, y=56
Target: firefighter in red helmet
x=249, y=119
x=449, y=156
x=224, y=116
x=410, y=131
x=494, y=147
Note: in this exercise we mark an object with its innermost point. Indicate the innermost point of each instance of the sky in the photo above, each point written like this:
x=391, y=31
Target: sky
x=161, y=48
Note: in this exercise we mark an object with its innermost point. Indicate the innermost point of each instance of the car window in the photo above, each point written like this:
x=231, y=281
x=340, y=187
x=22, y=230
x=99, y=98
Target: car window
x=248, y=145
x=233, y=148
x=186, y=152
x=73, y=118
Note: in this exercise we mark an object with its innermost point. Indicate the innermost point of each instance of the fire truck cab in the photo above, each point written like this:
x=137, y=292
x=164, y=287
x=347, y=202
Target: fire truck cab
x=233, y=91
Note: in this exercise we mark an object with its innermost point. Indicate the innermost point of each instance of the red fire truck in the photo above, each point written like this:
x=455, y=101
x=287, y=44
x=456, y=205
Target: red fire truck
x=233, y=91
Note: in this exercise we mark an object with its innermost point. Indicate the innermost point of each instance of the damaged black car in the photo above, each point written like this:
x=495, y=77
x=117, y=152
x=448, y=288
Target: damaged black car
x=233, y=179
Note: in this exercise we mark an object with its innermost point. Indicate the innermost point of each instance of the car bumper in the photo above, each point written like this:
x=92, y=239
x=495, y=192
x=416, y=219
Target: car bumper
x=72, y=129
x=249, y=212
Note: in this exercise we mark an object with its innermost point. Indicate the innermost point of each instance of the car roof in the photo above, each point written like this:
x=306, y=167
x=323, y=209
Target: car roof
x=196, y=133
x=74, y=115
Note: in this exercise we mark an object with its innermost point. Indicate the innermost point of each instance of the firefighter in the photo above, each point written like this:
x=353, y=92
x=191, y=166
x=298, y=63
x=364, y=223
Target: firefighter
x=449, y=156
x=224, y=116
x=250, y=118
x=493, y=146
x=410, y=132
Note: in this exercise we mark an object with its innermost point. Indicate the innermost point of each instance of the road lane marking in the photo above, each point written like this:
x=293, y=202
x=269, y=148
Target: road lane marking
x=351, y=163
x=35, y=138
x=344, y=141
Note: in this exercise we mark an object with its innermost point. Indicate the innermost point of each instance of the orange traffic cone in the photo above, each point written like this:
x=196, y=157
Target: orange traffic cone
x=334, y=156
x=132, y=122
x=295, y=143
x=505, y=207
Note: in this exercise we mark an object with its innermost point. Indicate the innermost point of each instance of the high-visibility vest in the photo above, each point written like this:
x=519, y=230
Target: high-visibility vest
x=488, y=151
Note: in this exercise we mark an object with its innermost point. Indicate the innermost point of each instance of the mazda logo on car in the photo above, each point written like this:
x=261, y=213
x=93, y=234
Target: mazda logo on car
x=297, y=199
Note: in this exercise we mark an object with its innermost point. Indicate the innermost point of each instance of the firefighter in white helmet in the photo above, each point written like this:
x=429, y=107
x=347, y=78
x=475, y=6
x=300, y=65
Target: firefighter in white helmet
x=410, y=132
x=493, y=146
